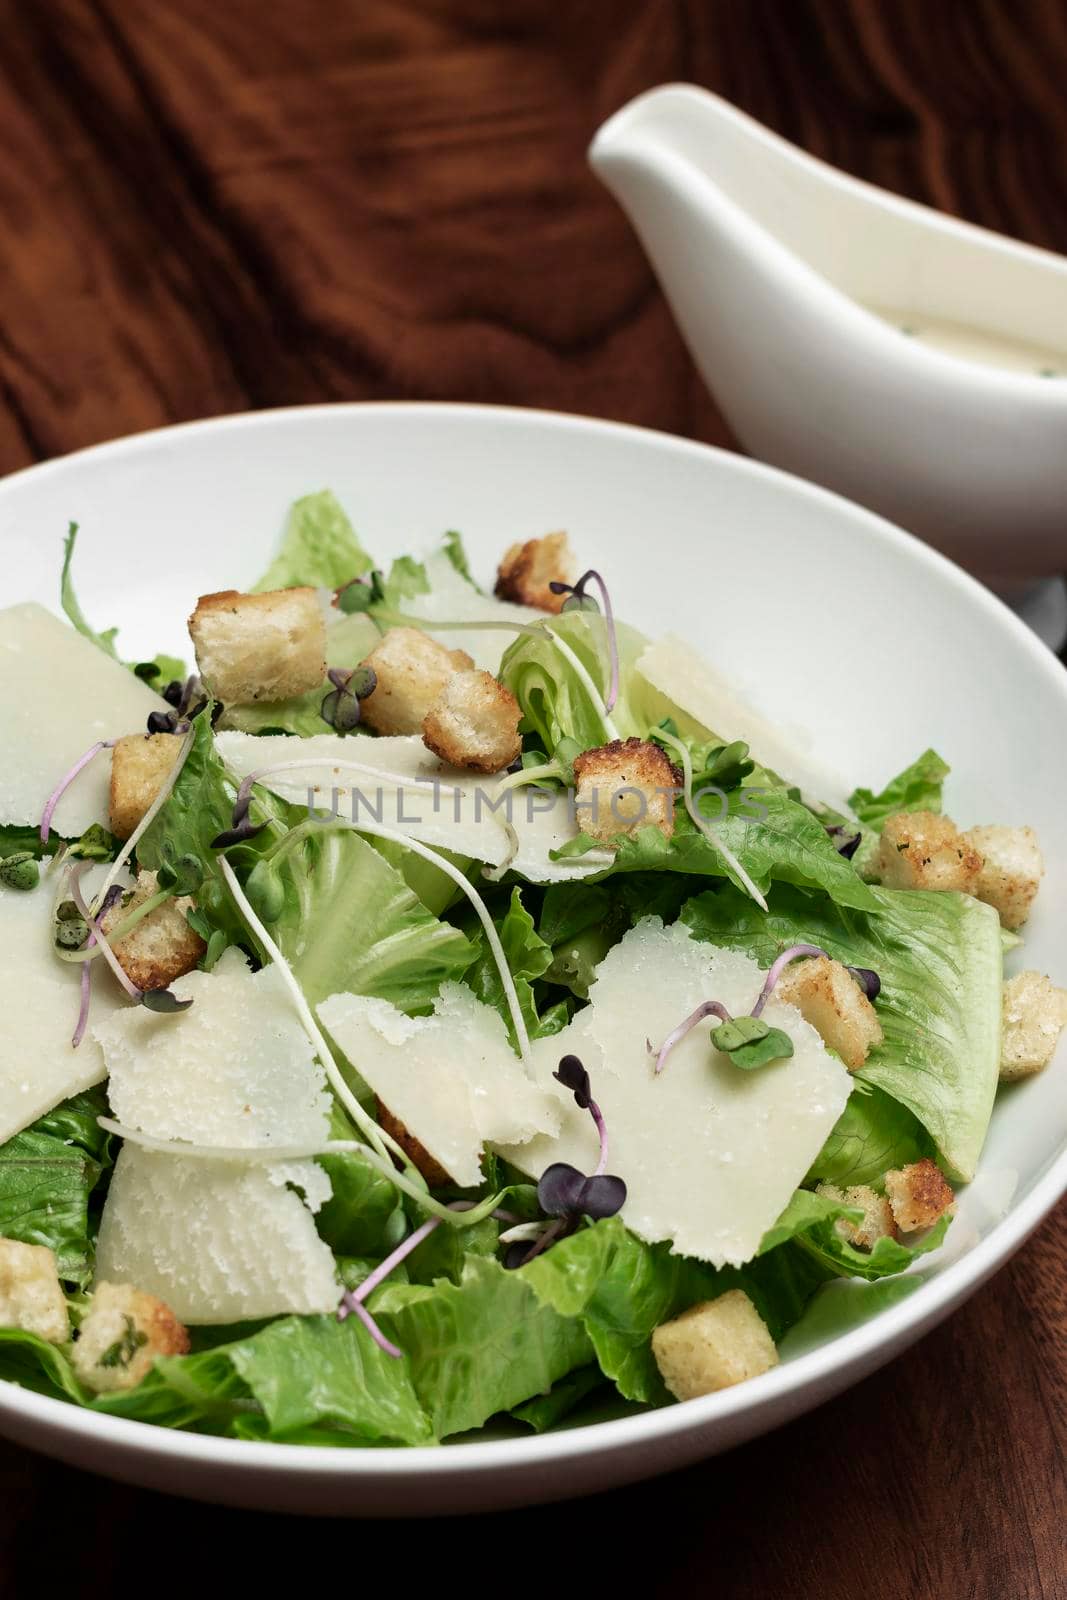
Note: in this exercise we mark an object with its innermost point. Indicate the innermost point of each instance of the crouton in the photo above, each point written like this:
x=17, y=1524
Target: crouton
x=528, y=568
x=120, y=1336
x=31, y=1297
x=411, y=669
x=140, y=764
x=878, y=1221
x=623, y=787
x=1035, y=1013
x=713, y=1345
x=259, y=646
x=828, y=996
x=474, y=722
x=921, y=850
x=162, y=946
x=432, y=1170
x=918, y=1195
x=1012, y=869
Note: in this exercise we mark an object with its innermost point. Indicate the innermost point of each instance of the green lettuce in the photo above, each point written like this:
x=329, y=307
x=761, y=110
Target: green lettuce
x=917, y=788
x=69, y=601
x=872, y=1134
x=555, y=703
x=47, y=1175
x=939, y=958
x=319, y=548
x=528, y=956
x=809, y=1222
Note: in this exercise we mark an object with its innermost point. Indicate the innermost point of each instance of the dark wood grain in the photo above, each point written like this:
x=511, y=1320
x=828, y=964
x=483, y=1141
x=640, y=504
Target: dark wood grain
x=207, y=205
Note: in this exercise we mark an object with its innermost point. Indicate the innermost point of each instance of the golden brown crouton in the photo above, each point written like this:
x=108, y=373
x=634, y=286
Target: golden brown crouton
x=623, y=787
x=1012, y=869
x=140, y=764
x=259, y=646
x=921, y=850
x=474, y=722
x=432, y=1170
x=121, y=1335
x=528, y=568
x=918, y=1195
x=162, y=946
x=828, y=996
x=1035, y=1013
x=878, y=1222
x=30, y=1294
x=713, y=1345
x=411, y=669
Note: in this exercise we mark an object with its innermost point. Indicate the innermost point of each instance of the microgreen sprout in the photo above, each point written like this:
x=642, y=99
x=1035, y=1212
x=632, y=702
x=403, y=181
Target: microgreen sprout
x=795, y=952
x=578, y=599
x=65, y=782
x=241, y=828
x=746, y=1040
x=187, y=699
x=340, y=708
x=20, y=871
x=845, y=842
x=708, y=1008
x=113, y=895
x=163, y=1002
x=359, y=594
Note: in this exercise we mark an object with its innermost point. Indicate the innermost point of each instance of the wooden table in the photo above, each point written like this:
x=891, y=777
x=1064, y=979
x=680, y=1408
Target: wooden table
x=207, y=205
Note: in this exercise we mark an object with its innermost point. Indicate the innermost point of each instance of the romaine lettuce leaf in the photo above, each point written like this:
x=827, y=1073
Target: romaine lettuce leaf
x=528, y=957
x=319, y=548
x=939, y=958
x=872, y=1134
x=564, y=1397
x=555, y=703
x=47, y=1173
x=917, y=788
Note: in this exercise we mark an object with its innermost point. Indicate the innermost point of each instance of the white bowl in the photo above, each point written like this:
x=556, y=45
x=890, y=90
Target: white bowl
x=832, y=621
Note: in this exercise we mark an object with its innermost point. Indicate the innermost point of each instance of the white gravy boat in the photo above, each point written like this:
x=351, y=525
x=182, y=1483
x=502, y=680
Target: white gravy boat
x=794, y=284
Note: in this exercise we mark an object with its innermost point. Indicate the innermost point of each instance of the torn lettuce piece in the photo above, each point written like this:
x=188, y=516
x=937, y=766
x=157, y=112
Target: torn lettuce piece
x=555, y=703
x=47, y=1174
x=529, y=958
x=939, y=958
x=917, y=788
x=873, y=1134
x=319, y=548
x=104, y=641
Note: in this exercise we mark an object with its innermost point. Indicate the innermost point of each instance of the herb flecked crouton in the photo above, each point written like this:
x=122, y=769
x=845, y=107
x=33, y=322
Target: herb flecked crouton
x=31, y=1296
x=878, y=1220
x=162, y=946
x=1035, y=1014
x=140, y=765
x=922, y=850
x=121, y=1335
x=411, y=670
x=712, y=1346
x=623, y=787
x=259, y=646
x=918, y=1195
x=828, y=996
x=1011, y=872
x=474, y=722
x=420, y=1157
x=529, y=567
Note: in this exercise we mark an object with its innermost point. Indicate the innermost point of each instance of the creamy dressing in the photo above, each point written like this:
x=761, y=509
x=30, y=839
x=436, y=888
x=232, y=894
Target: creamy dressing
x=977, y=344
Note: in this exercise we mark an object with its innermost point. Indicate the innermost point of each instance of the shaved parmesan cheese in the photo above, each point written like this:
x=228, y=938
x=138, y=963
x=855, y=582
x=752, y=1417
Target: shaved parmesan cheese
x=60, y=694
x=451, y=1079
x=710, y=1154
x=408, y=788
x=453, y=599
x=692, y=685
x=216, y=1242
x=235, y=1069
x=39, y=998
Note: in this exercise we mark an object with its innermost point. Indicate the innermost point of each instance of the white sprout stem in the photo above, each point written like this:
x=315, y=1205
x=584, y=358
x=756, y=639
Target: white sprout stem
x=95, y=946
x=515, y=780
x=149, y=817
x=612, y=639
x=65, y=782
x=522, y=1232
x=105, y=949
x=377, y=830
x=380, y=1140
x=333, y=765
x=794, y=953
x=587, y=683
x=702, y=823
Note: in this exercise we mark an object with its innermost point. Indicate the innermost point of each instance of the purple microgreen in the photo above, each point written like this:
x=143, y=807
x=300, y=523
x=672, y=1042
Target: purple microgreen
x=795, y=952
x=341, y=708
x=162, y=722
x=708, y=1008
x=241, y=835
x=163, y=1002
x=577, y=592
x=92, y=926
x=868, y=980
x=83, y=1010
x=172, y=694
x=846, y=843
x=65, y=782
x=559, y=1189
x=241, y=827
x=573, y=1076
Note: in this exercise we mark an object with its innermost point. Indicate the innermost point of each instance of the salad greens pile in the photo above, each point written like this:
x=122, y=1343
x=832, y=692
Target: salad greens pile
x=567, y=1331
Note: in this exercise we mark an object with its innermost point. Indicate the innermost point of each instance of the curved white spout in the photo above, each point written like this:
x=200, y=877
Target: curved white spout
x=771, y=260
